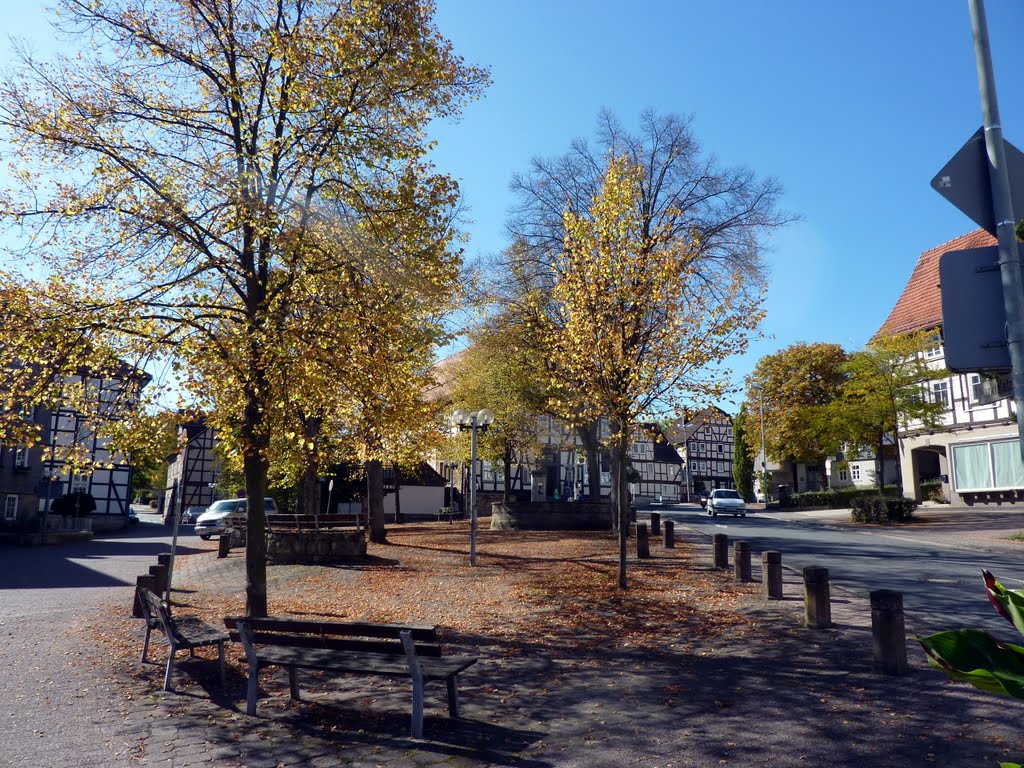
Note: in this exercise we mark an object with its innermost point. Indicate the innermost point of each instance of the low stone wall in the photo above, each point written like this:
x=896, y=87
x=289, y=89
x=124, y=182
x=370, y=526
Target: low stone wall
x=314, y=547
x=551, y=516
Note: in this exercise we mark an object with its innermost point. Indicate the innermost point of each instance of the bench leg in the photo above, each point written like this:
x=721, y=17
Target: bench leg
x=293, y=682
x=250, y=704
x=453, y=698
x=417, y=708
x=145, y=643
x=170, y=668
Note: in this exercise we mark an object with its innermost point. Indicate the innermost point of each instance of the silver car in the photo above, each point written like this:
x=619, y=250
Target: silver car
x=724, y=501
x=221, y=514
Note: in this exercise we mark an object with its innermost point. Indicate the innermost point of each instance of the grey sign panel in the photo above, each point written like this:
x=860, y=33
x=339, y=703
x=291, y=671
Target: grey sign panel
x=964, y=181
x=994, y=388
x=973, y=315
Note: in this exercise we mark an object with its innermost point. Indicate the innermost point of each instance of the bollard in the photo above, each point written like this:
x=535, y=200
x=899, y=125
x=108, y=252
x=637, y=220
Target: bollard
x=817, y=601
x=224, y=545
x=669, y=534
x=643, y=548
x=142, y=581
x=164, y=559
x=720, y=549
x=655, y=524
x=159, y=573
x=771, y=575
x=741, y=560
x=888, y=632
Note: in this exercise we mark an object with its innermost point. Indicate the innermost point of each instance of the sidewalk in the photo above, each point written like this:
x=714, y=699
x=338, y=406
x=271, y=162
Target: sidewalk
x=752, y=688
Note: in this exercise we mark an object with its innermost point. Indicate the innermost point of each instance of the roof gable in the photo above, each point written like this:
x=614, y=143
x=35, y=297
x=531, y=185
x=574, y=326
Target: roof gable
x=920, y=305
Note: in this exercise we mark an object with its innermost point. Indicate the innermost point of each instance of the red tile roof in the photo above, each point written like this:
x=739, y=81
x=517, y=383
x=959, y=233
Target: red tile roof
x=920, y=305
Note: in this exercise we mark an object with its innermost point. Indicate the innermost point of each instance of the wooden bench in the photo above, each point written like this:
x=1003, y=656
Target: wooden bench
x=389, y=650
x=182, y=633
x=448, y=513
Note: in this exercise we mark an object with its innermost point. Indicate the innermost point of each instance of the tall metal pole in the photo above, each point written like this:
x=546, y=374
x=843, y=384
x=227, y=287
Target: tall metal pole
x=472, y=490
x=1002, y=207
x=764, y=456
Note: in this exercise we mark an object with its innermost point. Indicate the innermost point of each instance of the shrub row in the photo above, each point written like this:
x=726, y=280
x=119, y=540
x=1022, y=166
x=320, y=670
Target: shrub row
x=882, y=509
x=836, y=499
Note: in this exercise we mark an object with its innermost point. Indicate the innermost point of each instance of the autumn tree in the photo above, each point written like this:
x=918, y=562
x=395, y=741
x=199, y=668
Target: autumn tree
x=722, y=214
x=885, y=391
x=498, y=371
x=798, y=386
x=180, y=167
x=742, y=465
x=639, y=328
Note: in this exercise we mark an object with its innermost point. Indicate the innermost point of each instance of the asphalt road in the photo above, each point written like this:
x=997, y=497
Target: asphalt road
x=55, y=708
x=941, y=583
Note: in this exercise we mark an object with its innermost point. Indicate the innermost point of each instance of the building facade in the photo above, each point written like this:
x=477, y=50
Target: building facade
x=973, y=455
x=191, y=472
x=706, y=447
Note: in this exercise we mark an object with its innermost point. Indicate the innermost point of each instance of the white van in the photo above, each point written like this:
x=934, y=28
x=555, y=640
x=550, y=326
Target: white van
x=218, y=518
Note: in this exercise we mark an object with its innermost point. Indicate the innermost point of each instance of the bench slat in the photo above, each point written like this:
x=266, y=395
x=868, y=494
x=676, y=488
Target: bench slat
x=382, y=646
x=366, y=663
x=420, y=633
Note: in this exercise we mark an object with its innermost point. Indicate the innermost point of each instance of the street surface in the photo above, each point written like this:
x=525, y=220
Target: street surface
x=939, y=576
x=57, y=709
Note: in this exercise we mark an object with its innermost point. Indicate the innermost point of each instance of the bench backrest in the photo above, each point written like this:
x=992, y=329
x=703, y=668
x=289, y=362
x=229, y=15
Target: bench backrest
x=156, y=612
x=335, y=635
x=311, y=522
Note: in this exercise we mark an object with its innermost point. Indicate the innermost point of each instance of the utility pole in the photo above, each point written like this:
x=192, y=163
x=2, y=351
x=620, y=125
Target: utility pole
x=1002, y=205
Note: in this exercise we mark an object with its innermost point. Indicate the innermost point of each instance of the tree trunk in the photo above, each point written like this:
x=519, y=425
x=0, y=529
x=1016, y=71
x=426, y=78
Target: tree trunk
x=506, y=462
x=375, y=500
x=399, y=518
x=592, y=448
x=255, y=464
x=881, y=462
x=307, y=500
x=622, y=447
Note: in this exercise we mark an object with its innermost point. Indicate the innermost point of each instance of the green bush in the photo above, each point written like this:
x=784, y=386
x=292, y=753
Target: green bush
x=840, y=498
x=932, y=490
x=882, y=509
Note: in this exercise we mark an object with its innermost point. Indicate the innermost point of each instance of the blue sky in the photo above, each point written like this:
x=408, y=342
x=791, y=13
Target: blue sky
x=853, y=106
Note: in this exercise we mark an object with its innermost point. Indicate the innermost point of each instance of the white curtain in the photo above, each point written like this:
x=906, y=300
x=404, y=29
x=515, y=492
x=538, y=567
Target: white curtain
x=973, y=471
x=1009, y=470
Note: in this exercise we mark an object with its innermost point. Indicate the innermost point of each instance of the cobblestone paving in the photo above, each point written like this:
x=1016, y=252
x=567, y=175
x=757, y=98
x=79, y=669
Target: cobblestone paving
x=783, y=697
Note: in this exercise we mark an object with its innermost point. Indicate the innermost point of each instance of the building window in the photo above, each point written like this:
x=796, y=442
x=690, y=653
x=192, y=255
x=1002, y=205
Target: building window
x=843, y=475
x=940, y=392
x=855, y=472
x=933, y=352
x=721, y=448
x=974, y=387
x=21, y=458
x=982, y=466
x=11, y=506
x=80, y=483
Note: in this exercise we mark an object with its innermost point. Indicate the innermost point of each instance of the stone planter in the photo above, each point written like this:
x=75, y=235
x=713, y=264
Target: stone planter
x=314, y=547
x=551, y=516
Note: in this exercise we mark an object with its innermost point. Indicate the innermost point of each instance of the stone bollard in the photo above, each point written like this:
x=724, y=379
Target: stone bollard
x=142, y=581
x=888, y=632
x=159, y=573
x=224, y=545
x=655, y=524
x=164, y=559
x=669, y=534
x=817, y=600
x=720, y=549
x=741, y=560
x=643, y=548
x=771, y=575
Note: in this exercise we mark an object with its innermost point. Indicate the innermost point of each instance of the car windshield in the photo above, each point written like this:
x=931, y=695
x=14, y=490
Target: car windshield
x=222, y=506
x=726, y=495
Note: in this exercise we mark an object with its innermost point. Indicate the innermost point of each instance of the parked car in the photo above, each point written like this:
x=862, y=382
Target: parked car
x=221, y=514
x=191, y=514
x=724, y=501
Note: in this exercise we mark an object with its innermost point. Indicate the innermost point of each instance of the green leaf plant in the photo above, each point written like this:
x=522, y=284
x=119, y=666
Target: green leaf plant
x=974, y=656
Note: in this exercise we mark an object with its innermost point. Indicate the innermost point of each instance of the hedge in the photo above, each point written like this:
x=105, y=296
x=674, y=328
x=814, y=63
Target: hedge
x=882, y=509
x=840, y=498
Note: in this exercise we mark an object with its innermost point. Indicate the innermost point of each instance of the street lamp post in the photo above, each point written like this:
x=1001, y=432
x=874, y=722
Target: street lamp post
x=472, y=421
x=764, y=457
